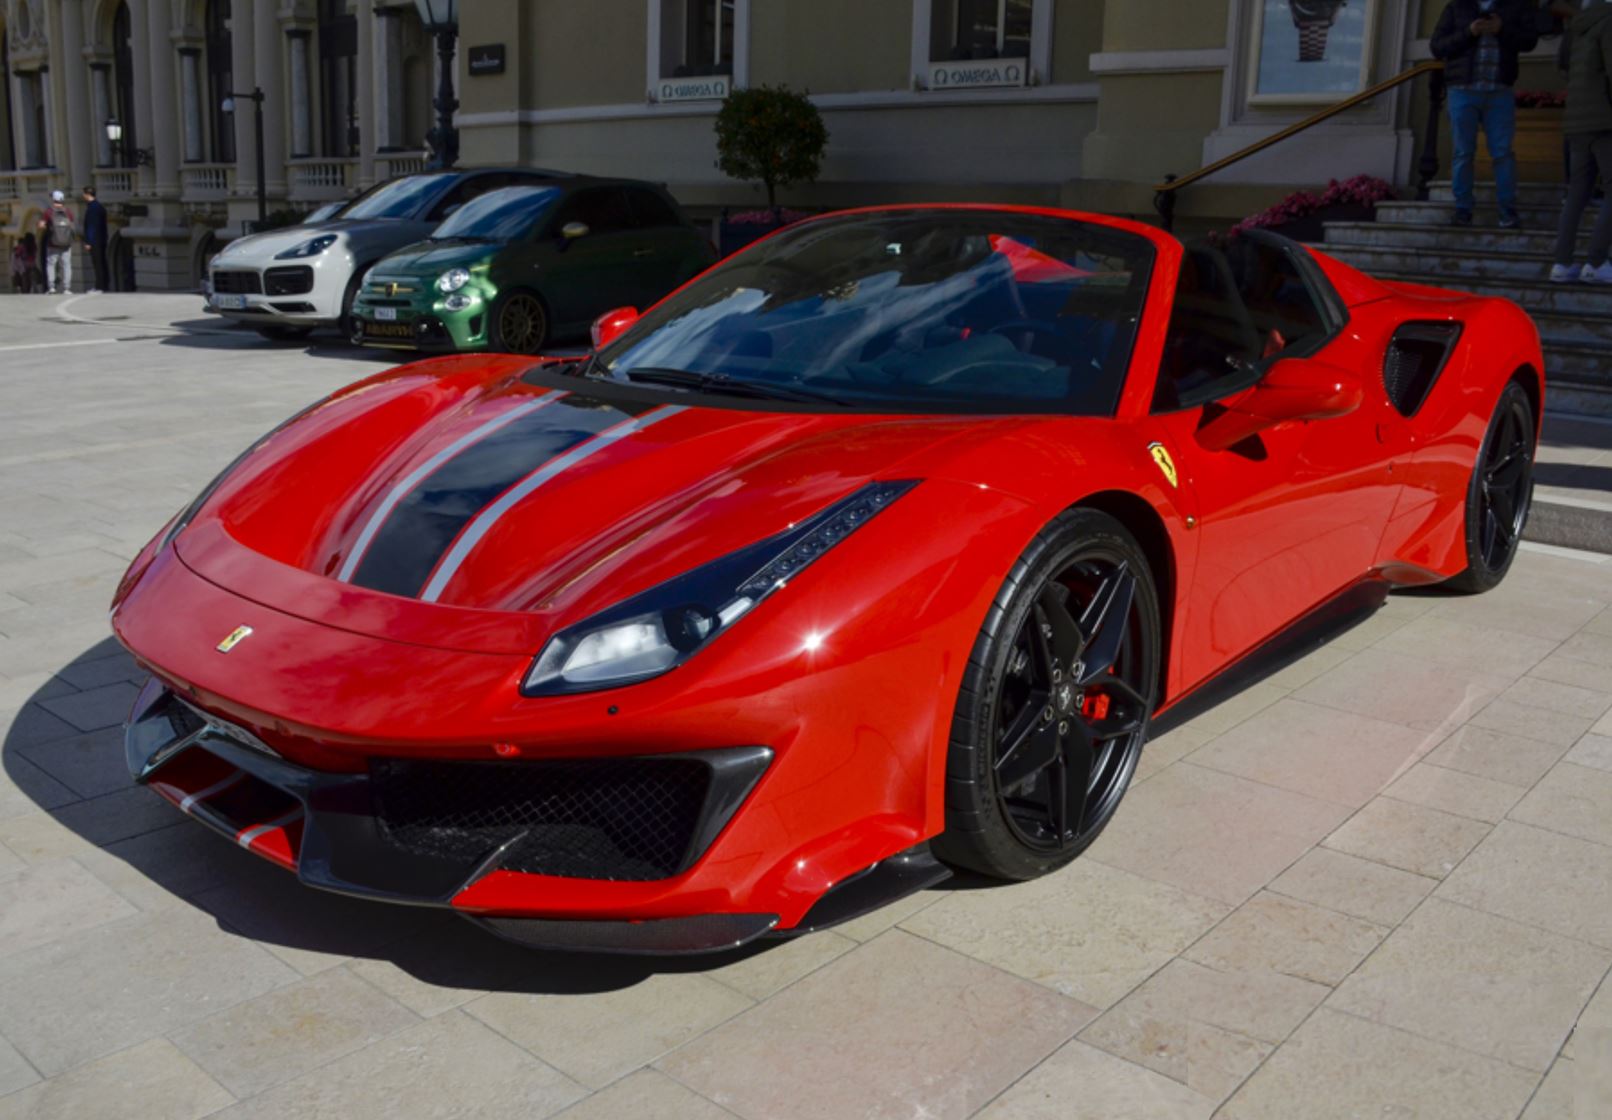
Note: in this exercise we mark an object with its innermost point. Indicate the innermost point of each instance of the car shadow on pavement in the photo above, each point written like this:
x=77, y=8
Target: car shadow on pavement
x=151, y=853
x=64, y=752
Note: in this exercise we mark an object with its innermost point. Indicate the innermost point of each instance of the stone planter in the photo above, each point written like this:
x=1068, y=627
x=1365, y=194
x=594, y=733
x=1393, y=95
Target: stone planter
x=740, y=229
x=1312, y=227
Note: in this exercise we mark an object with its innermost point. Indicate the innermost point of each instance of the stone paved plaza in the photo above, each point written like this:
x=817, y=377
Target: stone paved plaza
x=1378, y=884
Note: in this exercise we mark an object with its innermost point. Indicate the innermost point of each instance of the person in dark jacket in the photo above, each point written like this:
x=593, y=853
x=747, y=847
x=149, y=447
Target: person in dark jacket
x=1479, y=41
x=95, y=238
x=1587, y=124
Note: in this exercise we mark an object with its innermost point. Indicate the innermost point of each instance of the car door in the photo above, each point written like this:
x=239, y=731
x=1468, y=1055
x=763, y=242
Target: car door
x=667, y=249
x=1293, y=515
x=594, y=272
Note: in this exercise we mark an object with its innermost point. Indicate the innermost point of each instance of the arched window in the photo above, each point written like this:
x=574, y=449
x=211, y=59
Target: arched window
x=338, y=79
x=123, y=80
x=220, y=79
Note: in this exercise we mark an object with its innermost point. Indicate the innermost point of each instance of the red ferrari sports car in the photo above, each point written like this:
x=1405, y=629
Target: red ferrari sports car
x=871, y=553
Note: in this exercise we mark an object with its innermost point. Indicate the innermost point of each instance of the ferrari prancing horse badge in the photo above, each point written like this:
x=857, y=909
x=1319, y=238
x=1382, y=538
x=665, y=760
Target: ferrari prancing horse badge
x=236, y=637
x=1161, y=456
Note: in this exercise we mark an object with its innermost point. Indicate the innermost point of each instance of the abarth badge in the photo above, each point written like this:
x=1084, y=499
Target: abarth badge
x=235, y=638
x=1161, y=456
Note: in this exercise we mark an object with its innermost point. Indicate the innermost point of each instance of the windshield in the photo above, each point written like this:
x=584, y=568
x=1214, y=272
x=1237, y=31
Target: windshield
x=401, y=198
x=502, y=215
x=928, y=310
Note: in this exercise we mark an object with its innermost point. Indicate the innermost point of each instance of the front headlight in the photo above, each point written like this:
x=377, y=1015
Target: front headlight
x=307, y=248
x=452, y=280
x=658, y=630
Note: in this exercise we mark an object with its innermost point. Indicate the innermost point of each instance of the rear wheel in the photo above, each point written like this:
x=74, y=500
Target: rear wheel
x=349, y=326
x=1500, y=493
x=278, y=333
x=520, y=323
x=1055, y=702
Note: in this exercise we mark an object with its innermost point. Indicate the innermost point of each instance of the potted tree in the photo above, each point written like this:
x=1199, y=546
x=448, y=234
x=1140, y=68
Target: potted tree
x=774, y=136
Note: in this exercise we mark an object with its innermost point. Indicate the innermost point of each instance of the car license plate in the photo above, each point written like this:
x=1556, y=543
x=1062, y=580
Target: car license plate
x=231, y=303
x=392, y=331
x=386, y=314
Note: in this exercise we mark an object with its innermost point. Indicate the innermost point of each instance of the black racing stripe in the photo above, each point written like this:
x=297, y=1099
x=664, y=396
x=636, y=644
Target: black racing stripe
x=424, y=525
x=634, y=409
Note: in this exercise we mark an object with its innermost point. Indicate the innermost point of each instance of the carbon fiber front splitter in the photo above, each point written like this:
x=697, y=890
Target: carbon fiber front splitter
x=322, y=826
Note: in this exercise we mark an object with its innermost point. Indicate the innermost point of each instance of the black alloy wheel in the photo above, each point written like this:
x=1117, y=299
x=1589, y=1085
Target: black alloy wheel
x=1500, y=494
x=1055, y=704
x=520, y=324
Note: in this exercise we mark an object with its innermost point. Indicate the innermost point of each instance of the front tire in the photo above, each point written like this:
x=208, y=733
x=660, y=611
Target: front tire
x=1500, y=493
x=520, y=323
x=1055, y=702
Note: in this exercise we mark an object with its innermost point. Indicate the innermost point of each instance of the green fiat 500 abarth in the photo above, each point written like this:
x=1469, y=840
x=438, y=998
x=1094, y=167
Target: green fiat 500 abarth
x=519, y=266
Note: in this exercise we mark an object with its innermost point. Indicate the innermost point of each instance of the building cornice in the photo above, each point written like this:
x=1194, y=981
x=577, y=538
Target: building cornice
x=1071, y=93
x=1160, y=62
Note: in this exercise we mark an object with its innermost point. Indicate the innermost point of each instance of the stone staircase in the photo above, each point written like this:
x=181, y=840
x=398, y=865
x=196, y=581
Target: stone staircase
x=1413, y=241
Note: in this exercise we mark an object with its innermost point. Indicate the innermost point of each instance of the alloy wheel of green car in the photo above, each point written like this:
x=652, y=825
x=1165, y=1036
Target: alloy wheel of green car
x=520, y=324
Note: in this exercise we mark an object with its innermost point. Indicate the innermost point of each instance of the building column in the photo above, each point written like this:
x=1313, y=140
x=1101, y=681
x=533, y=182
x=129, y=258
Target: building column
x=301, y=95
x=101, y=81
x=75, y=95
x=368, y=21
x=389, y=105
x=190, y=86
x=266, y=39
x=164, y=115
x=47, y=134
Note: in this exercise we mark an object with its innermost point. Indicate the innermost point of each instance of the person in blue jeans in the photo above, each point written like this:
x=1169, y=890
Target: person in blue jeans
x=1479, y=41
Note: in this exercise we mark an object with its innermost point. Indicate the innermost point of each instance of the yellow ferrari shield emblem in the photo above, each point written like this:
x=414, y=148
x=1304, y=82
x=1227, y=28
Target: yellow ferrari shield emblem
x=1161, y=456
x=236, y=637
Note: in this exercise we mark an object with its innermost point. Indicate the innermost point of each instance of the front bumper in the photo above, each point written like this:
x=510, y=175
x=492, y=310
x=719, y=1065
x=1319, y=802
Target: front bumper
x=293, y=293
x=420, y=318
x=360, y=834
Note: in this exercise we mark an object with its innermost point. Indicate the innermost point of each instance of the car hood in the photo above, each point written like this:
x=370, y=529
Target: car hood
x=488, y=489
x=364, y=239
x=432, y=258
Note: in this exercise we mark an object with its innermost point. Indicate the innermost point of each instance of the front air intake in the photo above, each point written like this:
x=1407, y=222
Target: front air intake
x=1416, y=356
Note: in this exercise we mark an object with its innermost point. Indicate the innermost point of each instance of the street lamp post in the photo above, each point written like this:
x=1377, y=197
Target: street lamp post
x=256, y=97
x=441, y=18
x=132, y=157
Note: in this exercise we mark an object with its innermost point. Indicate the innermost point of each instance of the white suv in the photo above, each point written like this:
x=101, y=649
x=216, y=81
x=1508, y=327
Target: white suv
x=287, y=282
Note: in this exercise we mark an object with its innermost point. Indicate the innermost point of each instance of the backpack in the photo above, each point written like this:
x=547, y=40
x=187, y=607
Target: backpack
x=61, y=228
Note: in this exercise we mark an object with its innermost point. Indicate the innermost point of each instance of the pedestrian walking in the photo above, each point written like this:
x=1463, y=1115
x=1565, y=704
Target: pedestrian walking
x=24, y=264
x=95, y=239
x=1479, y=41
x=58, y=231
x=1587, y=124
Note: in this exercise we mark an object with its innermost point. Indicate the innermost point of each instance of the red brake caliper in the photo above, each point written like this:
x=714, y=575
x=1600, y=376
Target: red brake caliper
x=1094, y=706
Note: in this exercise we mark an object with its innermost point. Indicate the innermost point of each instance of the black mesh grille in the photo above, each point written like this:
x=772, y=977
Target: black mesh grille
x=1415, y=357
x=237, y=283
x=293, y=281
x=624, y=819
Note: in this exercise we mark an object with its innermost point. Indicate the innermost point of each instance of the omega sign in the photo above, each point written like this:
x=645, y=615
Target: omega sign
x=978, y=73
x=711, y=88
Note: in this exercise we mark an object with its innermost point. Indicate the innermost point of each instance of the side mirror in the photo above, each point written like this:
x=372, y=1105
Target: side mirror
x=1292, y=389
x=573, y=230
x=612, y=325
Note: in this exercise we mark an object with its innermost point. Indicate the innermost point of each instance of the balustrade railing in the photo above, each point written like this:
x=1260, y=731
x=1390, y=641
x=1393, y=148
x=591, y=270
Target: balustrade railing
x=201, y=182
x=389, y=165
x=321, y=180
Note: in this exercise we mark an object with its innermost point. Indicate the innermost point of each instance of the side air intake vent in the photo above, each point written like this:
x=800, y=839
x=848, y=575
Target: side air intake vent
x=1416, y=356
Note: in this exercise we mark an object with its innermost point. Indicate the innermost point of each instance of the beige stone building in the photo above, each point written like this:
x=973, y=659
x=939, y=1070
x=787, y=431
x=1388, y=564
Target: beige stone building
x=346, y=90
x=1085, y=103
